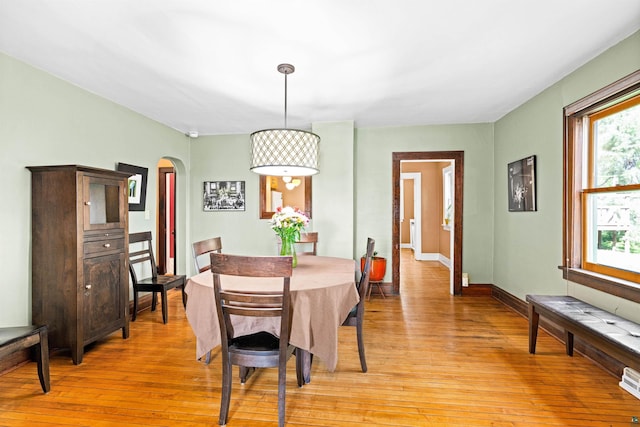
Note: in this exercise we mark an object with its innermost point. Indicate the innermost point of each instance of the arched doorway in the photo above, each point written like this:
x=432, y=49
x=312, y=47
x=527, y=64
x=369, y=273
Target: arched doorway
x=171, y=227
x=166, y=217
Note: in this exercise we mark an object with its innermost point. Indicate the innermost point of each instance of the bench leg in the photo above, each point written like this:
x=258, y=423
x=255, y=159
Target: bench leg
x=568, y=340
x=534, y=319
x=42, y=358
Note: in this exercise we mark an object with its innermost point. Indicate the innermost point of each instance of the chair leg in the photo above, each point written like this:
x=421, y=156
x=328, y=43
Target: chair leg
x=135, y=306
x=184, y=297
x=165, y=310
x=154, y=300
x=363, y=361
x=42, y=357
x=245, y=373
x=282, y=384
x=226, y=390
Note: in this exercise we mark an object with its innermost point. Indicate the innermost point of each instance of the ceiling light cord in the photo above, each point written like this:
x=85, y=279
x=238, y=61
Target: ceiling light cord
x=285, y=69
x=285, y=100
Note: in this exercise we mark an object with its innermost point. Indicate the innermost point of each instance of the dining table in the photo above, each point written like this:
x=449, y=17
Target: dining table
x=323, y=292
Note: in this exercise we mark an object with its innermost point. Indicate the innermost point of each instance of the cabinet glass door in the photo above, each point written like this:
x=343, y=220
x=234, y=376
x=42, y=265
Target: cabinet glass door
x=103, y=203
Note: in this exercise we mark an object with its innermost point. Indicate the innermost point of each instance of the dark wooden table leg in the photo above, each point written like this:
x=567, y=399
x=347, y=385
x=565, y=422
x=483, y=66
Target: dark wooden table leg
x=305, y=358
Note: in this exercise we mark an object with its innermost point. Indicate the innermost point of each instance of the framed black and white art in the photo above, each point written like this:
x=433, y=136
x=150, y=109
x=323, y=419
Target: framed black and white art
x=521, y=176
x=223, y=196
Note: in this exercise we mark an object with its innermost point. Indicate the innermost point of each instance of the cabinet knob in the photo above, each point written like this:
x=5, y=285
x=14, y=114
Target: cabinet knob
x=88, y=203
x=107, y=245
x=87, y=287
x=106, y=234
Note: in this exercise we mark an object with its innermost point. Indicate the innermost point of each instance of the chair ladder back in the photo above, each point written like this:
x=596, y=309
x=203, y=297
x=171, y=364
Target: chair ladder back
x=252, y=304
x=144, y=255
x=251, y=266
x=310, y=237
x=204, y=247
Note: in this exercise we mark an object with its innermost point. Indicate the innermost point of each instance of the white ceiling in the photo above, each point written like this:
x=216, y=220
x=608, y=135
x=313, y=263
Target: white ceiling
x=210, y=65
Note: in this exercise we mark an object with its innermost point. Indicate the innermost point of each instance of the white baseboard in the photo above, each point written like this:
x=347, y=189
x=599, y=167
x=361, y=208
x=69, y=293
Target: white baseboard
x=445, y=261
x=432, y=256
x=426, y=256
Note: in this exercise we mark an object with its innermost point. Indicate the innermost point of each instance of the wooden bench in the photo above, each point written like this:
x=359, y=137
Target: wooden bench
x=22, y=337
x=618, y=337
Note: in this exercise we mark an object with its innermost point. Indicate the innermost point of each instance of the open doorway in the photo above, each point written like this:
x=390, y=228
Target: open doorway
x=166, y=217
x=411, y=212
x=456, y=159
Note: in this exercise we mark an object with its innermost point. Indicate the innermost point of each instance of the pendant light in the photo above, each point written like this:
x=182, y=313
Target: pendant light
x=284, y=152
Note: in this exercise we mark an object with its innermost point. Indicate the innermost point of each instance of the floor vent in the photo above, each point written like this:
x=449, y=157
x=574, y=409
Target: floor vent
x=631, y=382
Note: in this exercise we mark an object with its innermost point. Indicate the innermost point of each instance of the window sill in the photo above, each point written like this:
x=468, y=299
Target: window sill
x=611, y=285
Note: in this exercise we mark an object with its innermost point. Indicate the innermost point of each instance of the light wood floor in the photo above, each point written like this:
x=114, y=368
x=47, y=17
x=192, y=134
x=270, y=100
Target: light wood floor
x=434, y=360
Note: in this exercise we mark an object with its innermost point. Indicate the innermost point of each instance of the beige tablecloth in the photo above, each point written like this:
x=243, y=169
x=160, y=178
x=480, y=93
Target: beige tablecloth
x=323, y=292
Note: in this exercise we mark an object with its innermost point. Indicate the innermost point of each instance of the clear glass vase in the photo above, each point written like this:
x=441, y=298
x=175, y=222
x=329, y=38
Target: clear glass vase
x=288, y=248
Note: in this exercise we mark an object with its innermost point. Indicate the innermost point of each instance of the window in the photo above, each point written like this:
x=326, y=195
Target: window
x=602, y=188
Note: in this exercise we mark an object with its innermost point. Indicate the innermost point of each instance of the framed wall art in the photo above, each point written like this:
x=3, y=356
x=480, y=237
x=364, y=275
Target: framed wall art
x=223, y=196
x=137, y=185
x=521, y=181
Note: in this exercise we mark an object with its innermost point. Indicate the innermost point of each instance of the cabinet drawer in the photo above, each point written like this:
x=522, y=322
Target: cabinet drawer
x=103, y=245
x=116, y=233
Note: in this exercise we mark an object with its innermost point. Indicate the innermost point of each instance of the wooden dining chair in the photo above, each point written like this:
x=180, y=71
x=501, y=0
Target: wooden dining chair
x=306, y=240
x=205, y=247
x=155, y=283
x=356, y=315
x=203, y=263
x=260, y=349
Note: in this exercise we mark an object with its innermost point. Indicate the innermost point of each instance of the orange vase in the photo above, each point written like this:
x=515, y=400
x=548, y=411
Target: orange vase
x=378, y=268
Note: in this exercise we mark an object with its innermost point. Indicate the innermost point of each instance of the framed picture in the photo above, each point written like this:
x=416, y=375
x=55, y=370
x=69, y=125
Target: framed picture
x=522, y=185
x=223, y=196
x=137, y=186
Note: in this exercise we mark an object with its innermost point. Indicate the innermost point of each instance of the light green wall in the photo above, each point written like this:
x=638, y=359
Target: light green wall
x=333, y=190
x=226, y=157
x=350, y=203
x=528, y=245
x=373, y=203
x=46, y=121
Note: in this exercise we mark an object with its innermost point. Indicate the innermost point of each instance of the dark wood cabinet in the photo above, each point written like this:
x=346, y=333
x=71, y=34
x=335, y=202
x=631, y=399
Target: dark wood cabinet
x=80, y=282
